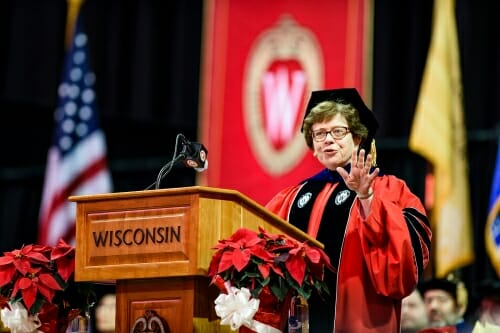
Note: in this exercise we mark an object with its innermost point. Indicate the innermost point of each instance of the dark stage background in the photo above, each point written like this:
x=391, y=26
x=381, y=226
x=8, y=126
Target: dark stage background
x=146, y=56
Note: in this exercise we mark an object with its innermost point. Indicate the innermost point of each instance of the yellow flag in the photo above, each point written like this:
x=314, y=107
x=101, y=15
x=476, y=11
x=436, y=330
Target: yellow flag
x=438, y=134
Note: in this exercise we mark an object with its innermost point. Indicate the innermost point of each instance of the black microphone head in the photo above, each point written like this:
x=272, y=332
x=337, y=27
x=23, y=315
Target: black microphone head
x=195, y=156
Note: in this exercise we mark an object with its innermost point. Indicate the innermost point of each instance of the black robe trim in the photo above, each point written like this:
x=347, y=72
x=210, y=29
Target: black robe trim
x=412, y=217
x=331, y=234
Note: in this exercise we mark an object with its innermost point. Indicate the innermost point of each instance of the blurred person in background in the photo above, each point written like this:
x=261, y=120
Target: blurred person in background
x=105, y=314
x=446, y=301
x=413, y=314
x=489, y=307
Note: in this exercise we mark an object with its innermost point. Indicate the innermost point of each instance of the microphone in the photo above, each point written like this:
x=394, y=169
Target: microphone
x=195, y=155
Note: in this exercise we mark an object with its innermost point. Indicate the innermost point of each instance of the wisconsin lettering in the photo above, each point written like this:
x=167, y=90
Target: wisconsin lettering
x=137, y=236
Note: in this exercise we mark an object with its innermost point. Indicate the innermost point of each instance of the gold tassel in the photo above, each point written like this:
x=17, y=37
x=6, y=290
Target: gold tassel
x=373, y=152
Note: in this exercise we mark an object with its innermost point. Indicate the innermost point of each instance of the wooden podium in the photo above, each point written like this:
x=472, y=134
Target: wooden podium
x=156, y=246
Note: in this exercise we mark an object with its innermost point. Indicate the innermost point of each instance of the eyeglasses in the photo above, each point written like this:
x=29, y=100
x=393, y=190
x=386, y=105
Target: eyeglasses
x=336, y=132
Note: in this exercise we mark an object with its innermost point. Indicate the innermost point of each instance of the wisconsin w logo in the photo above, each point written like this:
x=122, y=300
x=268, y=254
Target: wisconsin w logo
x=284, y=66
x=283, y=90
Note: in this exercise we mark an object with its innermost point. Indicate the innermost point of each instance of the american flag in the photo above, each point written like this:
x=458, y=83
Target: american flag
x=76, y=162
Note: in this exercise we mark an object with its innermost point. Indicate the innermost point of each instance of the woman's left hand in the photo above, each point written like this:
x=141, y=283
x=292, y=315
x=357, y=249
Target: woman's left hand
x=359, y=178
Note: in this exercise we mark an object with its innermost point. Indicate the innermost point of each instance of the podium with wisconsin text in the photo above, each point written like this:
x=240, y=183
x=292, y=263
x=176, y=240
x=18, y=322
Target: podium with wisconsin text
x=157, y=245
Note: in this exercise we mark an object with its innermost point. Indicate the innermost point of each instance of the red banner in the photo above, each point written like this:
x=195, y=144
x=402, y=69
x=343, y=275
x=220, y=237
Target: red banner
x=261, y=61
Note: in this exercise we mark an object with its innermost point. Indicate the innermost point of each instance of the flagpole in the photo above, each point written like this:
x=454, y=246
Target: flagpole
x=71, y=16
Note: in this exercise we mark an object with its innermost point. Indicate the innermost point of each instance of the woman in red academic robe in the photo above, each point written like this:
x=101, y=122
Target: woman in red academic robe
x=374, y=229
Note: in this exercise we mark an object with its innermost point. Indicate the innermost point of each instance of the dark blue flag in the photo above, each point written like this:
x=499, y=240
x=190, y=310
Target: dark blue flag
x=492, y=232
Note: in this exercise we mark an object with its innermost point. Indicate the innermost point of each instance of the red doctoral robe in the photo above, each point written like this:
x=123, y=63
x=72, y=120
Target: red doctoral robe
x=380, y=258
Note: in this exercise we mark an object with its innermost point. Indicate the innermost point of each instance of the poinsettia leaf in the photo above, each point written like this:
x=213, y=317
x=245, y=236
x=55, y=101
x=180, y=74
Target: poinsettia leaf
x=15, y=289
x=37, y=256
x=218, y=281
x=324, y=262
x=252, y=275
x=297, y=249
x=267, y=235
x=241, y=258
x=46, y=292
x=317, y=271
x=296, y=266
x=25, y=249
x=265, y=282
x=322, y=287
x=49, y=281
x=15, y=253
x=231, y=246
x=33, y=253
x=23, y=265
x=281, y=245
x=225, y=243
x=243, y=235
x=325, y=259
x=24, y=283
x=304, y=293
x=4, y=302
x=278, y=291
x=65, y=267
x=62, y=249
x=253, y=242
x=261, y=253
x=226, y=261
x=313, y=254
x=41, y=248
x=7, y=274
x=213, y=267
x=264, y=270
x=6, y=259
x=29, y=296
x=277, y=269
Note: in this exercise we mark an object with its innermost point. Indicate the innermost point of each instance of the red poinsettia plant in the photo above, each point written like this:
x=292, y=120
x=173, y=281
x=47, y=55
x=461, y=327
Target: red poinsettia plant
x=258, y=273
x=258, y=260
x=39, y=280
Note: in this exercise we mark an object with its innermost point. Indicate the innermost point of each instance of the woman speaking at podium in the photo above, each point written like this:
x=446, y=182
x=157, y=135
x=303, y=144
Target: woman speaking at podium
x=374, y=229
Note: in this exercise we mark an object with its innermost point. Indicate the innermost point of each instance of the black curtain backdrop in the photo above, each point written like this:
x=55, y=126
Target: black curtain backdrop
x=146, y=56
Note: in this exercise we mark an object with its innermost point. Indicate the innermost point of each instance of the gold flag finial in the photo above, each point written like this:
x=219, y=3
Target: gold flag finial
x=72, y=13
